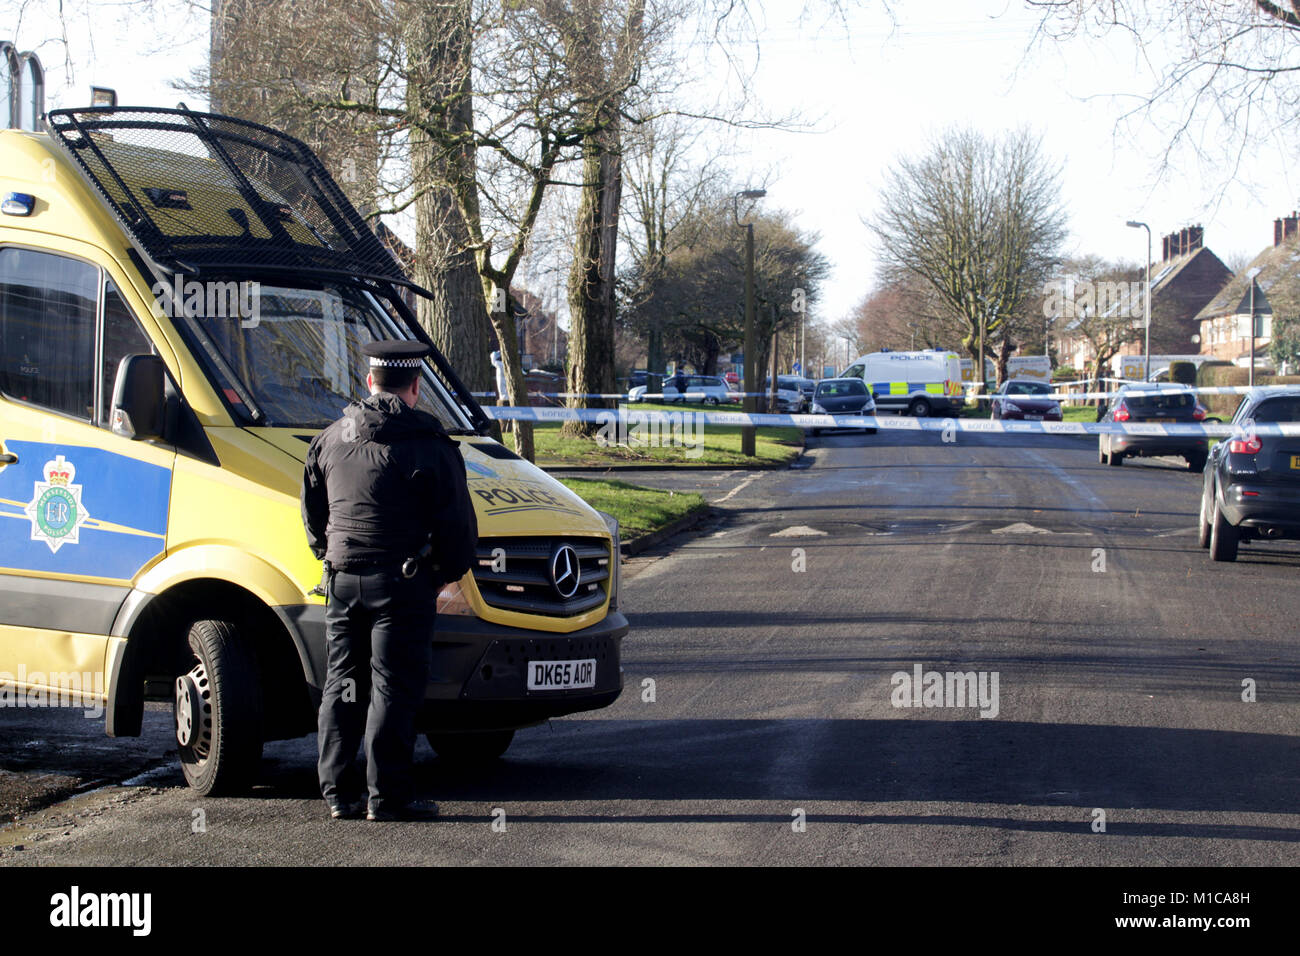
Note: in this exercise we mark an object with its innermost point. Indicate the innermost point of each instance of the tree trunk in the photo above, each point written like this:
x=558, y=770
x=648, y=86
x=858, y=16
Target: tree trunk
x=1005, y=348
x=591, y=279
x=438, y=91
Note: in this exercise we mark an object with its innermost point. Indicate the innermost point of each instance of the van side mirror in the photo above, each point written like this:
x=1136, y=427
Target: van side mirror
x=139, y=402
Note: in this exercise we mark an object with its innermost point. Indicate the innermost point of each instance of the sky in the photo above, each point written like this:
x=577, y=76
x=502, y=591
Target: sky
x=876, y=88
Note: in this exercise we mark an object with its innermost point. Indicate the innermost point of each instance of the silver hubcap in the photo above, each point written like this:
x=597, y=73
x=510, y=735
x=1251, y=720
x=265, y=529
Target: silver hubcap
x=194, y=711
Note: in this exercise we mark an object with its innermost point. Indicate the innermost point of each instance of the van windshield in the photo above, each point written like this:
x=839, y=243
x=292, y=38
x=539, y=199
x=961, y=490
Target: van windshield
x=291, y=357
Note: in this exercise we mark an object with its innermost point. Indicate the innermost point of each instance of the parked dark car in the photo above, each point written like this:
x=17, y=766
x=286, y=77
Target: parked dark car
x=843, y=398
x=1025, y=399
x=1252, y=484
x=1157, y=404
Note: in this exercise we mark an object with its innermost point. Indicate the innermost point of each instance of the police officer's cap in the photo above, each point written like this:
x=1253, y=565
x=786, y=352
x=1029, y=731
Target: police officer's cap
x=395, y=354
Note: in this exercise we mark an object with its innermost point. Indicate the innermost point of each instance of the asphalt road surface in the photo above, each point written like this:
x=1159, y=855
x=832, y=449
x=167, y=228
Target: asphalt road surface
x=762, y=719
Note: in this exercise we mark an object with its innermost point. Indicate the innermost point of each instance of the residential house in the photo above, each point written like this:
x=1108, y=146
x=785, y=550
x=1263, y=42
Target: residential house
x=1187, y=277
x=1225, y=326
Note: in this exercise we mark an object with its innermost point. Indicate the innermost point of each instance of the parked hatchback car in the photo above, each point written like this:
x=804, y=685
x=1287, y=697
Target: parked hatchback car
x=1025, y=399
x=709, y=389
x=842, y=398
x=1156, y=404
x=1252, y=484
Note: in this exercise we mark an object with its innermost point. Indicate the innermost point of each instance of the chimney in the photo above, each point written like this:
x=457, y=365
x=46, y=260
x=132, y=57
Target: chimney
x=1164, y=249
x=1197, y=235
x=1289, y=225
x=1277, y=232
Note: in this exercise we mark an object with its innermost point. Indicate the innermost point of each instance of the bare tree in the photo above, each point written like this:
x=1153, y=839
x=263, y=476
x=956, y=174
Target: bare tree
x=979, y=221
x=904, y=312
x=667, y=190
x=1235, y=62
x=605, y=47
x=1092, y=299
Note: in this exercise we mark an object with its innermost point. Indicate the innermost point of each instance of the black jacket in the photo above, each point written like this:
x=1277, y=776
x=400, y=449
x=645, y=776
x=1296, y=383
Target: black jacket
x=381, y=482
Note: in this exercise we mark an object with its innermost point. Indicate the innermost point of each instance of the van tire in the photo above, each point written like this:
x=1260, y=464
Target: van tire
x=471, y=748
x=919, y=408
x=218, y=710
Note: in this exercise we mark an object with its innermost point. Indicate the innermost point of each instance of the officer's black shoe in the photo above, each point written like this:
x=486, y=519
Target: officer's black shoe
x=414, y=811
x=346, y=809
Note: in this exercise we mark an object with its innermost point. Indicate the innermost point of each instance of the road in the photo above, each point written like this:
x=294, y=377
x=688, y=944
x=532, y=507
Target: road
x=771, y=638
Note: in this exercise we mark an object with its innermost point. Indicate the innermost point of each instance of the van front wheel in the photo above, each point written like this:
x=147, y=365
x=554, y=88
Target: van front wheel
x=218, y=710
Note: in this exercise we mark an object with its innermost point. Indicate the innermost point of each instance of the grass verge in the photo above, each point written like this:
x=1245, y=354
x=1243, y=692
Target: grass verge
x=699, y=444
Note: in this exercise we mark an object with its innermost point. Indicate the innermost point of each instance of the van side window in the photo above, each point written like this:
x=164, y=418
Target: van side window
x=122, y=337
x=854, y=371
x=47, y=330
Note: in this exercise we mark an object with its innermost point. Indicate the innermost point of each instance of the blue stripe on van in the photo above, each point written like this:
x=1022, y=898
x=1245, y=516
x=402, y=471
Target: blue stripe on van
x=115, y=490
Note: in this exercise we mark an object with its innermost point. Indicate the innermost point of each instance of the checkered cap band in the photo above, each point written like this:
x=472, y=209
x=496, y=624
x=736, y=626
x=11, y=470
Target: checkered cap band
x=395, y=363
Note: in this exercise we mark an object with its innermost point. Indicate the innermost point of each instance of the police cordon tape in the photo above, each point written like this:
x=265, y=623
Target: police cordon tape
x=969, y=396
x=662, y=420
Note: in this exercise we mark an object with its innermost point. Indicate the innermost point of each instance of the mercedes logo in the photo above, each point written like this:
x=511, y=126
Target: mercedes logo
x=566, y=572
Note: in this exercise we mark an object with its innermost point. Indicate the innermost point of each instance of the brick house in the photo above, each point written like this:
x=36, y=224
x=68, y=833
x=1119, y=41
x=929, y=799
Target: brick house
x=1225, y=332
x=1187, y=277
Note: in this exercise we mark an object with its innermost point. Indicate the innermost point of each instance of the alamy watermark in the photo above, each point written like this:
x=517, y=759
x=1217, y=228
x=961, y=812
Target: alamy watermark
x=946, y=689
x=83, y=689
x=652, y=430
x=211, y=299
x=1080, y=298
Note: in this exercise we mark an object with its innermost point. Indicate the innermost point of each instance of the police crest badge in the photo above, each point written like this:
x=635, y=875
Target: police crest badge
x=56, y=510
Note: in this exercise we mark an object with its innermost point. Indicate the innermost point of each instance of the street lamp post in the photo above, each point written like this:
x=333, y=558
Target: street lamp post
x=1133, y=224
x=1251, y=276
x=751, y=372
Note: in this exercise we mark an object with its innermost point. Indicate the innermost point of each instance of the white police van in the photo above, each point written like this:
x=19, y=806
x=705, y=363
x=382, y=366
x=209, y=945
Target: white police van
x=919, y=383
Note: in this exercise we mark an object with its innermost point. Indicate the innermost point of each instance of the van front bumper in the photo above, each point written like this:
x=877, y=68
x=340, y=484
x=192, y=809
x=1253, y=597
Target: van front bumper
x=478, y=678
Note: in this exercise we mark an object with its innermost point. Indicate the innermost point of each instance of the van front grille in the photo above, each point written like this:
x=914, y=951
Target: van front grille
x=533, y=575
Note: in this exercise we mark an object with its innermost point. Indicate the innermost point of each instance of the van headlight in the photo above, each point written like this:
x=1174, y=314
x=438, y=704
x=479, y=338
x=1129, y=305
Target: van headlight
x=614, y=557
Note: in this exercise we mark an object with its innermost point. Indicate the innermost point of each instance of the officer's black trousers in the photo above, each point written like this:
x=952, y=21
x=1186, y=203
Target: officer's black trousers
x=379, y=628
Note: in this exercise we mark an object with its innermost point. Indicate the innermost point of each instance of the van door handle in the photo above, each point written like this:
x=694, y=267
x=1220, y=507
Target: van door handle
x=8, y=459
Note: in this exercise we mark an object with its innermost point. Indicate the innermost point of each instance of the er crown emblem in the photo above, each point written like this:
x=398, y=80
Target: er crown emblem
x=56, y=511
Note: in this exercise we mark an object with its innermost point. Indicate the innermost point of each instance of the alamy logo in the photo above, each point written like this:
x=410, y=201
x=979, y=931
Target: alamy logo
x=54, y=689
x=213, y=300
x=75, y=908
x=652, y=429
x=950, y=689
x=1079, y=299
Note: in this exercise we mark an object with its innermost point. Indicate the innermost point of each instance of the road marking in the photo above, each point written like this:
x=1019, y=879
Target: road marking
x=797, y=531
x=736, y=489
x=1020, y=528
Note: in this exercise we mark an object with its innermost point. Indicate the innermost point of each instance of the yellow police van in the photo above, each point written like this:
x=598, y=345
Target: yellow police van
x=183, y=300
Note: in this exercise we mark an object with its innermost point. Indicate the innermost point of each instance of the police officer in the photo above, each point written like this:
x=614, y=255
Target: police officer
x=383, y=487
